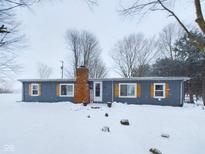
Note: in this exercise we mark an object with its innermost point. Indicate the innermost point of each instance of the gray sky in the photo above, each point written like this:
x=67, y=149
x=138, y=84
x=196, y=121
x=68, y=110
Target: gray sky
x=46, y=24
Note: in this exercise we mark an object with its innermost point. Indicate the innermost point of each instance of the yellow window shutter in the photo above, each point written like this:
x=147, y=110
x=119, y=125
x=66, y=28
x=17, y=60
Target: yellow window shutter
x=167, y=90
x=116, y=90
x=40, y=89
x=29, y=90
x=57, y=89
x=138, y=89
x=152, y=90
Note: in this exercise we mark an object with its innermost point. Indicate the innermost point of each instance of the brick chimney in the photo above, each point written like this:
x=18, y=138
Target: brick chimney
x=82, y=92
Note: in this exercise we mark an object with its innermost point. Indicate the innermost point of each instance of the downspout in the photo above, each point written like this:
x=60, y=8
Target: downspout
x=181, y=94
x=22, y=92
x=112, y=91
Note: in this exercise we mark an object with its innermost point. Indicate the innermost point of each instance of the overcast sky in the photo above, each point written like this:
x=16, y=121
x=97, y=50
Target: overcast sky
x=45, y=26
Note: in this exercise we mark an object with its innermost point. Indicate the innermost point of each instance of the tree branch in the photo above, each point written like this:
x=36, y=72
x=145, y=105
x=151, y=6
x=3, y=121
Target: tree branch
x=199, y=20
x=200, y=43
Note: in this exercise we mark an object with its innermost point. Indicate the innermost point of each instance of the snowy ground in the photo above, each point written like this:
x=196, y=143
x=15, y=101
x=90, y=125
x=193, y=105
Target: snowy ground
x=63, y=128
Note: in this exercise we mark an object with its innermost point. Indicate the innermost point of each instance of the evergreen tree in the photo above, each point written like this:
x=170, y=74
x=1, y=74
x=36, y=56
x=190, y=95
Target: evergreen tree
x=189, y=62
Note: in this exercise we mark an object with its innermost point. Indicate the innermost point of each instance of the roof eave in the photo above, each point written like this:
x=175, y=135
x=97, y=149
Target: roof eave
x=109, y=79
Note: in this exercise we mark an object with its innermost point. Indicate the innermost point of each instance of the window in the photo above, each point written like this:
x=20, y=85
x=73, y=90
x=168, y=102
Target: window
x=97, y=89
x=127, y=89
x=35, y=89
x=66, y=90
x=159, y=90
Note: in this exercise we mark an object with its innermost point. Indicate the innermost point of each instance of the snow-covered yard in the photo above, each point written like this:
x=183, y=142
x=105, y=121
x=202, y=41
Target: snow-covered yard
x=64, y=128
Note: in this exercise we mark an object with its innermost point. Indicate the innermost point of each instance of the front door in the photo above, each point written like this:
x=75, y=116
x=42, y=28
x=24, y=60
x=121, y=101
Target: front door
x=97, y=91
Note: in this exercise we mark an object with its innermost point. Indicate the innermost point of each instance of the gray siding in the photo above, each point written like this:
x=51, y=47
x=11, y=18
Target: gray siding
x=174, y=98
x=49, y=93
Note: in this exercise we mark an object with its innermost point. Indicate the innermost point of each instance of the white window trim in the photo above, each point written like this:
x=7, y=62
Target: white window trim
x=98, y=98
x=35, y=84
x=163, y=84
x=133, y=84
x=67, y=84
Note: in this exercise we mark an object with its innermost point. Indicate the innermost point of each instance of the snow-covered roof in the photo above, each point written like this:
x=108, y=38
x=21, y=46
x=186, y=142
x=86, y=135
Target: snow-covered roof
x=144, y=78
x=46, y=80
x=108, y=79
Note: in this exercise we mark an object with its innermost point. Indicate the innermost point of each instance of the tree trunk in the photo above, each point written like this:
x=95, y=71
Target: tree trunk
x=199, y=16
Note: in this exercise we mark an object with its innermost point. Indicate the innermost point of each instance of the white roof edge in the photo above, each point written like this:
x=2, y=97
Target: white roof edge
x=44, y=80
x=108, y=79
x=144, y=78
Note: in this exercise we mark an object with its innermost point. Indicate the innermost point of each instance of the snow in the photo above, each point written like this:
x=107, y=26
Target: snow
x=64, y=128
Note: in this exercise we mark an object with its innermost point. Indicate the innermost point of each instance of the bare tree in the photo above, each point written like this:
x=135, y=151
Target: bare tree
x=91, y=2
x=11, y=37
x=98, y=70
x=8, y=66
x=167, y=38
x=44, y=71
x=85, y=51
x=9, y=33
x=144, y=6
x=146, y=56
x=74, y=44
x=8, y=44
x=6, y=87
x=132, y=53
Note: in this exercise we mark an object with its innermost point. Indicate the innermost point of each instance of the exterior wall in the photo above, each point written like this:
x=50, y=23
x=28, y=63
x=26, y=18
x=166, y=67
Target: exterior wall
x=106, y=91
x=48, y=93
x=174, y=98
x=176, y=94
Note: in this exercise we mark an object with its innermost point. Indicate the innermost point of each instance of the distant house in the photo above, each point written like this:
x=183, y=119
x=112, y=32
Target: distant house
x=138, y=90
